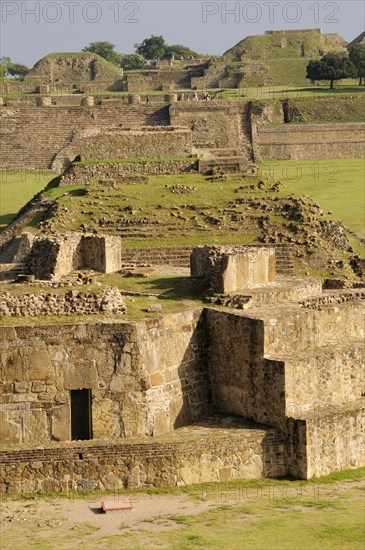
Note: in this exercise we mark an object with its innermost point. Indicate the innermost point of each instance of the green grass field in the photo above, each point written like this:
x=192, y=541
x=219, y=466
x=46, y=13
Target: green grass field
x=16, y=189
x=277, y=91
x=336, y=185
x=320, y=514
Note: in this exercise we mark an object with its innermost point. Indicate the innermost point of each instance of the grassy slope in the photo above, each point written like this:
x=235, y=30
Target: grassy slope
x=41, y=68
x=269, y=46
x=16, y=189
x=337, y=185
x=346, y=103
x=155, y=203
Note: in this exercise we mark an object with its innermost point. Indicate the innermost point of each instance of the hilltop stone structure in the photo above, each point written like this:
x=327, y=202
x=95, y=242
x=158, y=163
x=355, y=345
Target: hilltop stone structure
x=75, y=69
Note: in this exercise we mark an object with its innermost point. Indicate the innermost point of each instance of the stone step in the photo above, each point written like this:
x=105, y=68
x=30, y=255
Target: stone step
x=228, y=164
x=54, y=128
x=304, y=328
x=10, y=272
x=323, y=376
x=217, y=153
x=284, y=289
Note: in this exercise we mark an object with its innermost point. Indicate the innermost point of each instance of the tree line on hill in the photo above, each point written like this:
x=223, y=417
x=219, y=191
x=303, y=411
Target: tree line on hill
x=332, y=66
x=150, y=49
x=336, y=66
x=8, y=68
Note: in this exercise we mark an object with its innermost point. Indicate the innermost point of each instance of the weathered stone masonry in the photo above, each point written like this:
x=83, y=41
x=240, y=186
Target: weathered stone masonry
x=151, y=377
x=31, y=138
x=311, y=141
x=145, y=379
x=226, y=454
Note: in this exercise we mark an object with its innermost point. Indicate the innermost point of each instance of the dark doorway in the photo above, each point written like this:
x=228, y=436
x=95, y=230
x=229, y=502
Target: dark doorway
x=93, y=70
x=286, y=111
x=81, y=414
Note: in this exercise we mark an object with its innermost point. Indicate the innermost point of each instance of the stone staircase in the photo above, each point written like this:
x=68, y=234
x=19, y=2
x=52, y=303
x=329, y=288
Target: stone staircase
x=55, y=127
x=179, y=256
x=10, y=272
x=225, y=159
x=175, y=256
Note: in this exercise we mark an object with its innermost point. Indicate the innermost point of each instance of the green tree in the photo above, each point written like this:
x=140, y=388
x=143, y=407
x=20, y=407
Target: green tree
x=17, y=70
x=152, y=48
x=180, y=52
x=132, y=62
x=332, y=66
x=357, y=56
x=5, y=61
x=105, y=50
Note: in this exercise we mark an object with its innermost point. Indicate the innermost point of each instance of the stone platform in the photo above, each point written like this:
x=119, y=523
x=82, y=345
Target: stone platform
x=294, y=368
x=215, y=449
x=283, y=289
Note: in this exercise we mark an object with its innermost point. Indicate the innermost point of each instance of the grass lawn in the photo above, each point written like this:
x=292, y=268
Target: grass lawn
x=17, y=188
x=336, y=185
x=274, y=91
x=263, y=514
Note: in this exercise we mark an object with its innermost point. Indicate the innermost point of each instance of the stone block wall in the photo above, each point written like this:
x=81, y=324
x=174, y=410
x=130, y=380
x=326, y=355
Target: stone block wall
x=252, y=267
x=40, y=365
x=235, y=349
x=145, y=379
x=78, y=174
x=310, y=329
x=311, y=141
x=157, y=143
x=72, y=303
x=214, y=126
x=151, y=377
x=331, y=379
x=231, y=268
x=32, y=137
x=53, y=257
x=335, y=438
x=173, y=351
x=221, y=457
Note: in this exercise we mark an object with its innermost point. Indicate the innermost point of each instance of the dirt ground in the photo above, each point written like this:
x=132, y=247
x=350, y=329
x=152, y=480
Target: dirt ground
x=71, y=522
x=24, y=521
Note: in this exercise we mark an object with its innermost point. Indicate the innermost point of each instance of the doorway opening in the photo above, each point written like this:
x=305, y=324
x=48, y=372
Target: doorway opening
x=81, y=427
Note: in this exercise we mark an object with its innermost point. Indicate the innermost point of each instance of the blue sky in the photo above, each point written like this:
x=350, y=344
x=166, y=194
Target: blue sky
x=31, y=29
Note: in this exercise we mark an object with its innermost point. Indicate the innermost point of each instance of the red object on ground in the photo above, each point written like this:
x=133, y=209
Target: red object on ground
x=110, y=506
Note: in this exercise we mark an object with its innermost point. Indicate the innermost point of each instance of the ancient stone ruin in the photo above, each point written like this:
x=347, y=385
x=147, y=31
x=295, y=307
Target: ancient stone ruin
x=267, y=367
x=229, y=269
x=51, y=257
x=262, y=376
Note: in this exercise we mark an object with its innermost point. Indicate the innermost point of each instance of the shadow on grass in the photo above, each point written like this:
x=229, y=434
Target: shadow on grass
x=320, y=90
x=5, y=219
x=180, y=288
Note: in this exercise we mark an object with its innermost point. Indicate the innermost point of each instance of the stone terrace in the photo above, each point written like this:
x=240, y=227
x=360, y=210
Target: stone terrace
x=294, y=369
x=54, y=128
